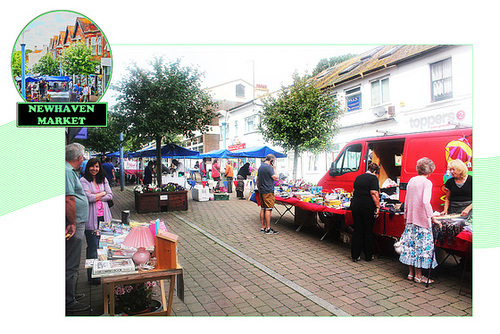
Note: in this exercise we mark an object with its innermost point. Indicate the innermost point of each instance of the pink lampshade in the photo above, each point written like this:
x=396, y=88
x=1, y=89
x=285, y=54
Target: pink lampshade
x=139, y=236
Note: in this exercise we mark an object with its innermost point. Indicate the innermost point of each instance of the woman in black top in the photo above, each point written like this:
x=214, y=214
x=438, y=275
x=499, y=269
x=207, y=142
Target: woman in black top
x=365, y=207
x=241, y=177
x=458, y=189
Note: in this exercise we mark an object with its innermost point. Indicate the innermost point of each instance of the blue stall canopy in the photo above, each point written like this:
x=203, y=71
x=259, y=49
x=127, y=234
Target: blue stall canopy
x=167, y=151
x=222, y=153
x=256, y=152
x=48, y=78
x=117, y=154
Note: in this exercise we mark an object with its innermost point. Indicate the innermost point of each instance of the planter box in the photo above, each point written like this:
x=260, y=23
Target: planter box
x=221, y=197
x=173, y=201
x=161, y=201
x=147, y=202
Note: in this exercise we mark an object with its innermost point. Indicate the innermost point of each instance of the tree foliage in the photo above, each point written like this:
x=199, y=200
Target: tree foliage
x=165, y=100
x=16, y=63
x=46, y=66
x=77, y=59
x=300, y=118
x=325, y=63
x=104, y=139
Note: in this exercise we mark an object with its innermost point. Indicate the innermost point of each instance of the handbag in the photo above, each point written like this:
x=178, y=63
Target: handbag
x=398, y=246
x=110, y=203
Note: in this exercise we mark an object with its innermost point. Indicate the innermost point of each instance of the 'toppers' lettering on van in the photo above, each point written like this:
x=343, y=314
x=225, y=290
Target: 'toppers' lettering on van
x=432, y=121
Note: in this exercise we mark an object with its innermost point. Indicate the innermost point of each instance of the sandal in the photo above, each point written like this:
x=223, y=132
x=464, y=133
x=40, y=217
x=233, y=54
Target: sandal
x=410, y=277
x=423, y=279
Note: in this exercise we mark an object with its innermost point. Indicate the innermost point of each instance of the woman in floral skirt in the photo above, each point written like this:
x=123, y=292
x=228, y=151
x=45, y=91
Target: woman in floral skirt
x=418, y=243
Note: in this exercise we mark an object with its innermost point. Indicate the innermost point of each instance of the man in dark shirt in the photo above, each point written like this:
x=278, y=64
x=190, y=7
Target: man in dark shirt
x=110, y=171
x=265, y=183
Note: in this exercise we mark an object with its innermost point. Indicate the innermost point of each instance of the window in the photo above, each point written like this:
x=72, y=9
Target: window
x=93, y=46
x=441, y=84
x=240, y=90
x=313, y=163
x=380, y=91
x=251, y=124
x=347, y=161
x=353, y=99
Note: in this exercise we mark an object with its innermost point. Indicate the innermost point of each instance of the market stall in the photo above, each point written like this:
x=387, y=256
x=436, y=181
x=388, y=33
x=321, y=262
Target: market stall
x=132, y=257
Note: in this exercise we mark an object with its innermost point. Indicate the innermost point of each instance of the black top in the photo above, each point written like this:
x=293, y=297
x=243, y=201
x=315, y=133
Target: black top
x=363, y=184
x=244, y=171
x=460, y=194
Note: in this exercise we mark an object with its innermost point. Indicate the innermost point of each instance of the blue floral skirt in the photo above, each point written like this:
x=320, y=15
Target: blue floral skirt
x=418, y=247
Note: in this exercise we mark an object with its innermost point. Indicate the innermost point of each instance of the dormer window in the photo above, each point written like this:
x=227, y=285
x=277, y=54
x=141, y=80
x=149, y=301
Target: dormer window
x=240, y=90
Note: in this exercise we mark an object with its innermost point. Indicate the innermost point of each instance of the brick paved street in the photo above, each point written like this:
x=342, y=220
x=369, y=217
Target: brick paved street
x=232, y=269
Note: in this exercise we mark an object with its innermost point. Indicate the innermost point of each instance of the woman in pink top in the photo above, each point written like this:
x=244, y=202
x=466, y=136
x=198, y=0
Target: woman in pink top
x=98, y=192
x=418, y=243
x=216, y=170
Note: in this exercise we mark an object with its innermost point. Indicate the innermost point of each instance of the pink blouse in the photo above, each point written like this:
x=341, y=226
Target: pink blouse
x=418, y=209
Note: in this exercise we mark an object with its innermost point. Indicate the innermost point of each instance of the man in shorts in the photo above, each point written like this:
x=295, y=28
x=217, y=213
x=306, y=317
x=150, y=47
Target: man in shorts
x=265, y=183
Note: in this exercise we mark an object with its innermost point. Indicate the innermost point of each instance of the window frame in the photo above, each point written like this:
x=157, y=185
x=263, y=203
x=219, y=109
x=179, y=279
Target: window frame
x=352, y=93
x=448, y=80
x=380, y=89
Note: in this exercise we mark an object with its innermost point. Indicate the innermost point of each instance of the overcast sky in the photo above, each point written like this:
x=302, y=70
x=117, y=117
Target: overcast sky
x=267, y=64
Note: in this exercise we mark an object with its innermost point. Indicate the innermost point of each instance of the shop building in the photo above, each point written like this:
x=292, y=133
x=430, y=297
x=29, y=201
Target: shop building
x=389, y=89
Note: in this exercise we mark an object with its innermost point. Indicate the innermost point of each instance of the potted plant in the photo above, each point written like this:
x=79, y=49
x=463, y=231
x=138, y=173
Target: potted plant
x=135, y=298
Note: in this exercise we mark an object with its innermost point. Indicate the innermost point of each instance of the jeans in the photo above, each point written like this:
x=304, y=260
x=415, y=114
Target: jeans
x=73, y=254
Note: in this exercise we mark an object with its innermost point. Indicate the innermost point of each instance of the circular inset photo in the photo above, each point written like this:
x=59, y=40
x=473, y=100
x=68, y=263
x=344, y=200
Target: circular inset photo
x=61, y=56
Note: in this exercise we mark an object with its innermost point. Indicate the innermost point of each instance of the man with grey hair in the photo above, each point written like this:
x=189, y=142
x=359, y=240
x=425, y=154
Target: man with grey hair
x=77, y=210
x=265, y=183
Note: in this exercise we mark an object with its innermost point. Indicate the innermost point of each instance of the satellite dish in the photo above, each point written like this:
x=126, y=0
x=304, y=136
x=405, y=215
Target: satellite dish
x=379, y=111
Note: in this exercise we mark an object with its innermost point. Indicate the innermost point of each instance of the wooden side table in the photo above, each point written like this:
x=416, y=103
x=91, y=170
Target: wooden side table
x=109, y=283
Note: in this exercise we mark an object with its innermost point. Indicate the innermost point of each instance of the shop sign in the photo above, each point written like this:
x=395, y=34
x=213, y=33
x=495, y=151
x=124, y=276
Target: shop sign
x=237, y=147
x=436, y=121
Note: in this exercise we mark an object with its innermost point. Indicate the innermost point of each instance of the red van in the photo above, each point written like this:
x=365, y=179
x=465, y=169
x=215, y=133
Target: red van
x=397, y=157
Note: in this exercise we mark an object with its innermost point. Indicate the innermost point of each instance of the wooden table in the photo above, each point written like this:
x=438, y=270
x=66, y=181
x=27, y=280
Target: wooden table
x=109, y=283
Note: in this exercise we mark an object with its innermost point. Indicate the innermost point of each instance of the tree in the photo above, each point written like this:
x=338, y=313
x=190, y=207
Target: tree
x=325, y=63
x=104, y=139
x=164, y=101
x=300, y=118
x=16, y=63
x=78, y=59
x=47, y=66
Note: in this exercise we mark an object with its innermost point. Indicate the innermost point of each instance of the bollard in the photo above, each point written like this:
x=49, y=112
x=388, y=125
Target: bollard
x=125, y=217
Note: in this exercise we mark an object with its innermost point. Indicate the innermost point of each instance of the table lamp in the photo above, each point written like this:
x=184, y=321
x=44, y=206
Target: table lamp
x=140, y=237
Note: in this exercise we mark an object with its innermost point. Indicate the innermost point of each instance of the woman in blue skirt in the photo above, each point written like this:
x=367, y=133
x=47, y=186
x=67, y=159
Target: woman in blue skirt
x=418, y=243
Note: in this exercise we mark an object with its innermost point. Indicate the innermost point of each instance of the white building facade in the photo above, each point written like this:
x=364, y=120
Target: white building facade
x=390, y=89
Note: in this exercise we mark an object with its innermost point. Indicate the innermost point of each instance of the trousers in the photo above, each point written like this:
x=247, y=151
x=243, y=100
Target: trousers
x=73, y=254
x=362, y=237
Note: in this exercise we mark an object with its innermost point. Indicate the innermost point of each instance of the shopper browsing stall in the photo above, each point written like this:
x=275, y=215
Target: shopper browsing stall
x=365, y=207
x=417, y=240
x=77, y=210
x=229, y=174
x=242, y=175
x=265, y=183
x=98, y=191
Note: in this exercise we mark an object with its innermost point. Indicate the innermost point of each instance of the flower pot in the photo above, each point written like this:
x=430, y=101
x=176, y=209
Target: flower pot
x=155, y=306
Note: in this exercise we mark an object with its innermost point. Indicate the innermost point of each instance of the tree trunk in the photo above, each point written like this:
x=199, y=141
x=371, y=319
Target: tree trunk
x=158, y=160
x=295, y=160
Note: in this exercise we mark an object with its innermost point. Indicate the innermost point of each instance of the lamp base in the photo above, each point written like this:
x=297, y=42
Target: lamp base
x=141, y=256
